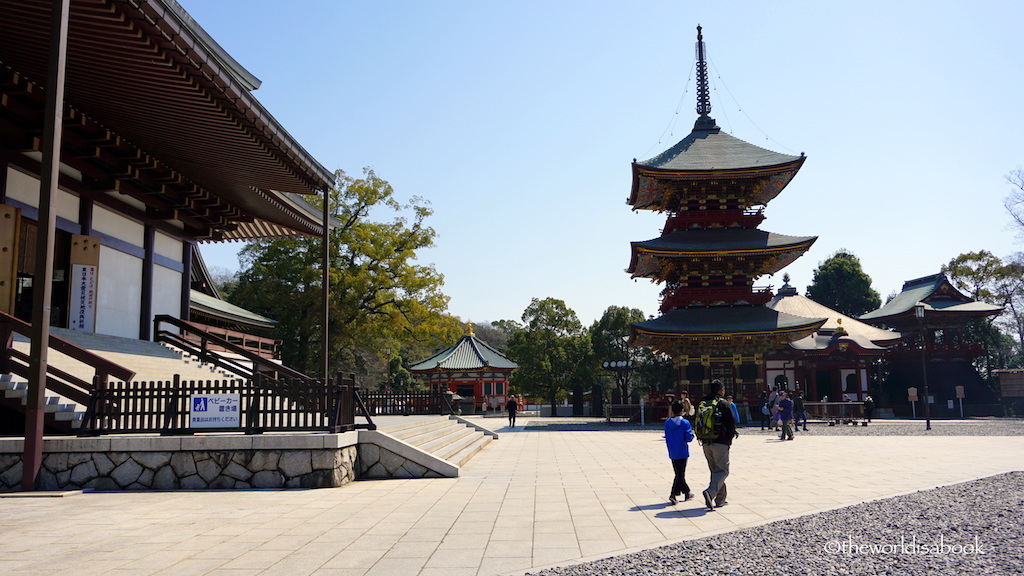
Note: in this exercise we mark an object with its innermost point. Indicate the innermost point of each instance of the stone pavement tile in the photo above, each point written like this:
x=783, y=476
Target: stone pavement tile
x=340, y=572
x=354, y=559
x=288, y=541
x=158, y=560
x=601, y=546
x=464, y=542
x=404, y=549
x=226, y=550
x=602, y=531
x=396, y=566
x=240, y=572
x=509, y=549
x=555, y=540
x=545, y=556
x=390, y=527
x=502, y=565
x=256, y=559
x=471, y=527
x=456, y=558
x=190, y=566
x=513, y=533
x=374, y=542
x=417, y=534
x=448, y=571
x=543, y=528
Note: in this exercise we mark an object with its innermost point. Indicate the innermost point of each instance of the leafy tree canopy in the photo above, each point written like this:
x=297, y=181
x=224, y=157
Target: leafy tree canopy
x=841, y=284
x=380, y=295
x=550, y=348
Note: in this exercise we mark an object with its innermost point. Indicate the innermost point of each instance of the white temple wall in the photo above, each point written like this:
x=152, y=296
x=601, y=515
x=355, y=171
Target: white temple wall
x=119, y=305
x=166, y=292
x=113, y=224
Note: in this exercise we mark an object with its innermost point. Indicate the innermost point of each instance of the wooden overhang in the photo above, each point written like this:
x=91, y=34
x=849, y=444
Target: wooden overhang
x=667, y=257
x=155, y=110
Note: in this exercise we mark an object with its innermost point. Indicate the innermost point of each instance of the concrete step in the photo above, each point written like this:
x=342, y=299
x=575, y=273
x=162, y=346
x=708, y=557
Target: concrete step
x=462, y=456
x=458, y=444
x=442, y=447
x=422, y=433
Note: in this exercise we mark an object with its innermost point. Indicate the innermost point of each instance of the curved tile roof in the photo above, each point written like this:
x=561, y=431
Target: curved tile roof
x=468, y=353
x=722, y=239
x=712, y=149
x=937, y=294
x=789, y=301
x=740, y=320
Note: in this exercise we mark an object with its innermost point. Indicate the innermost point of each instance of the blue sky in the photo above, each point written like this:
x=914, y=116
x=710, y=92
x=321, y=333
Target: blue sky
x=518, y=122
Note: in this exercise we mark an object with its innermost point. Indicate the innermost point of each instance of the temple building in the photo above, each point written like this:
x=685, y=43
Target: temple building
x=163, y=146
x=933, y=317
x=713, y=187
x=471, y=369
x=841, y=359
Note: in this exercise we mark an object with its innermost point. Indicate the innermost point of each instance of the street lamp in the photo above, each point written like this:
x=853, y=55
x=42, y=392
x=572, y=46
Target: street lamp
x=919, y=313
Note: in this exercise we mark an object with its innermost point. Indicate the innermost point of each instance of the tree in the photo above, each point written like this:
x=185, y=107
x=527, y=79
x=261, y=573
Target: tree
x=610, y=336
x=1014, y=203
x=380, y=296
x=987, y=278
x=841, y=284
x=550, y=349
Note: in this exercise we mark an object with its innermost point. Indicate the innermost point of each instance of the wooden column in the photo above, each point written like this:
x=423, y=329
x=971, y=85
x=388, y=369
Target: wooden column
x=186, y=280
x=32, y=459
x=146, y=311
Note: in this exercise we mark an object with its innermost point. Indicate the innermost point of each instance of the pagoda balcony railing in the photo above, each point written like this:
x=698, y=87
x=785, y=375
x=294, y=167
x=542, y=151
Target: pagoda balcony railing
x=706, y=218
x=716, y=295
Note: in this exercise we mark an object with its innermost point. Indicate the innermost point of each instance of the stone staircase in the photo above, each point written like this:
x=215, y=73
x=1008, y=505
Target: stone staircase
x=150, y=362
x=448, y=439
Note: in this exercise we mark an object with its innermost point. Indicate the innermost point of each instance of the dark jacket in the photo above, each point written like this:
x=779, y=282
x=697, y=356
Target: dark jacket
x=728, y=422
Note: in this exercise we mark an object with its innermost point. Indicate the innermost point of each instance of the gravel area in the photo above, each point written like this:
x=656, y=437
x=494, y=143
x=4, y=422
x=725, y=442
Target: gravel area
x=970, y=427
x=970, y=528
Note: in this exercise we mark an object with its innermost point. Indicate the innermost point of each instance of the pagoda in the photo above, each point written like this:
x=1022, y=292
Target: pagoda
x=714, y=188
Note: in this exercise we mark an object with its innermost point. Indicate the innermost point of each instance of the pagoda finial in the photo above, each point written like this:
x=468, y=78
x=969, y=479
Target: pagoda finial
x=704, y=121
x=469, y=330
x=703, y=90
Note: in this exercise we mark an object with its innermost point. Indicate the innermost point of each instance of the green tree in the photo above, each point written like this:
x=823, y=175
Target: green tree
x=987, y=278
x=841, y=284
x=550, y=349
x=610, y=336
x=380, y=296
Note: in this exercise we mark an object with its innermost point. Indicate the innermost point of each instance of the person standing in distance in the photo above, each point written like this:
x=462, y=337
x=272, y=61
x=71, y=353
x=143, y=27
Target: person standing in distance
x=511, y=406
x=678, y=434
x=716, y=449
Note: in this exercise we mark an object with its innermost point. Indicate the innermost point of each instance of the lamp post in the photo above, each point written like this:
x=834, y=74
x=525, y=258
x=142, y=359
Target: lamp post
x=919, y=313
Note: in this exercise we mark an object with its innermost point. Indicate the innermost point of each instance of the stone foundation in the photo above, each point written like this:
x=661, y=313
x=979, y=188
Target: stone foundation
x=187, y=463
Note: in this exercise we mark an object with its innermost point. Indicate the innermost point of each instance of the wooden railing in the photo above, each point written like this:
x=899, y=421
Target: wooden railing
x=408, y=403
x=207, y=347
x=61, y=382
x=252, y=406
x=268, y=348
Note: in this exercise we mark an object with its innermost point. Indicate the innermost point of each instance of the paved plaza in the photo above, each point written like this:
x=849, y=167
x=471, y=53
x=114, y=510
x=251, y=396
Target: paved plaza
x=536, y=497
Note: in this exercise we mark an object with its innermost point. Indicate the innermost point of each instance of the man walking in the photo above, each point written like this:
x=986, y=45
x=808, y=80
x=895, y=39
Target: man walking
x=799, y=412
x=713, y=407
x=786, y=416
x=511, y=406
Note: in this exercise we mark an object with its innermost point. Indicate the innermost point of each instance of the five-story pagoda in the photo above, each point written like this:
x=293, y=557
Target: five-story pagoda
x=714, y=187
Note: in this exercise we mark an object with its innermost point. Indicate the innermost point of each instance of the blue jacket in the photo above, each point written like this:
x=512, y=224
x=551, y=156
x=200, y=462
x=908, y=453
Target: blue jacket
x=735, y=412
x=786, y=409
x=677, y=433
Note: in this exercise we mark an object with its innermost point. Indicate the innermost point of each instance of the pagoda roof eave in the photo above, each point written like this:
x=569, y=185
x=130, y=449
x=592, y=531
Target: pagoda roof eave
x=467, y=355
x=717, y=243
x=725, y=321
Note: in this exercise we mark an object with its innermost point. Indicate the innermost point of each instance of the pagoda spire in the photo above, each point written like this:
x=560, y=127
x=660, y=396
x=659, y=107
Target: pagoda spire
x=705, y=121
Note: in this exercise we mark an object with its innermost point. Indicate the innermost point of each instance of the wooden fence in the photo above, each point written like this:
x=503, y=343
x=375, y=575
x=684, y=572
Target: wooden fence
x=250, y=406
x=408, y=403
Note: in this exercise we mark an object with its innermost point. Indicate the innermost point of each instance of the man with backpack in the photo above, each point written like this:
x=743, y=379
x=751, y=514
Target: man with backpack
x=715, y=428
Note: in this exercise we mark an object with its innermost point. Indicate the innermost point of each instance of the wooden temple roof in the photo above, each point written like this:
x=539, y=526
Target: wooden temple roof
x=789, y=301
x=772, y=251
x=726, y=321
x=706, y=149
x=155, y=109
x=468, y=353
x=943, y=304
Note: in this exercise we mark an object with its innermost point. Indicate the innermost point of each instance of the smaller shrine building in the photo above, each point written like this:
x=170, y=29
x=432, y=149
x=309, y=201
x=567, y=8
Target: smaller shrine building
x=472, y=369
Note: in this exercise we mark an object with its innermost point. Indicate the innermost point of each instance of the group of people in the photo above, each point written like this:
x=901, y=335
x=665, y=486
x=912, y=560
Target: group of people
x=783, y=412
x=720, y=413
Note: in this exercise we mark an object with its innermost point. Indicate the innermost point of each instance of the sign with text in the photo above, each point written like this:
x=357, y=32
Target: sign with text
x=215, y=411
x=83, y=298
x=959, y=391
x=912, y=394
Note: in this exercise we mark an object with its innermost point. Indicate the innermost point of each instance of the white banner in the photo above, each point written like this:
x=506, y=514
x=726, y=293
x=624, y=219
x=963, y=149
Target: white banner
x=83, y=298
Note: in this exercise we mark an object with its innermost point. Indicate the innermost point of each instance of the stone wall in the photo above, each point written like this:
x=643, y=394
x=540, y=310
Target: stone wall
x=187, y=463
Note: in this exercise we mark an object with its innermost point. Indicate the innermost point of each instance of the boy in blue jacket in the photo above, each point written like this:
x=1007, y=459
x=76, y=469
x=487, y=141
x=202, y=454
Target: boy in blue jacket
x=678, y=433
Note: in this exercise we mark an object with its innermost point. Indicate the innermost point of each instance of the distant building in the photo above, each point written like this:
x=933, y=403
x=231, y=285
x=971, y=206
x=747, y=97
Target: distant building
x=940, y=336
x=836, y=360
x=471, y=369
